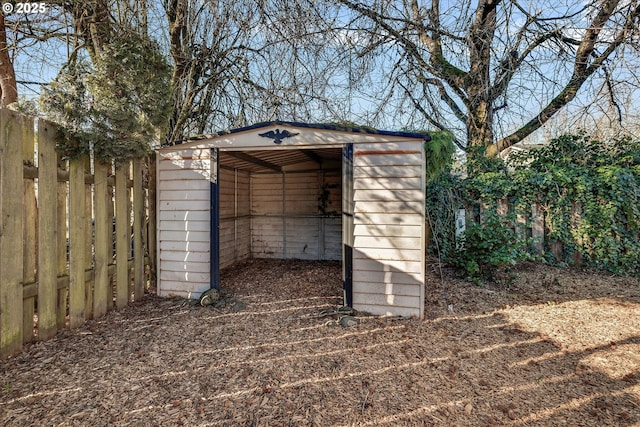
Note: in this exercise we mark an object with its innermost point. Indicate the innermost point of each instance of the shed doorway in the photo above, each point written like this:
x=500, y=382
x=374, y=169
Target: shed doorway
x=281, y=203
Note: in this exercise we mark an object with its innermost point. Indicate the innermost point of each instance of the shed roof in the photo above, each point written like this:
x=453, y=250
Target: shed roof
x=316, y=126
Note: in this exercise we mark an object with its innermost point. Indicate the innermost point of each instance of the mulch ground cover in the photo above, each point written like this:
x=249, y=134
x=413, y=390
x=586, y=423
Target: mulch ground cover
x=554, y=347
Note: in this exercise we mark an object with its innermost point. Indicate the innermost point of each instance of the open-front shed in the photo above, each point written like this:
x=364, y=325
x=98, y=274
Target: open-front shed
x=293, y=190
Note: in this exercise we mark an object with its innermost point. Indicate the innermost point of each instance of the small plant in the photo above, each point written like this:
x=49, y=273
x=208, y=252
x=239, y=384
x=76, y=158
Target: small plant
x=489, y=247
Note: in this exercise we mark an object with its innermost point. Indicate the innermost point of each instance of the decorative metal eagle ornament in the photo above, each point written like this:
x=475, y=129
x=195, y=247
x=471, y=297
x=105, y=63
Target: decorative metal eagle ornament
x=277, y=135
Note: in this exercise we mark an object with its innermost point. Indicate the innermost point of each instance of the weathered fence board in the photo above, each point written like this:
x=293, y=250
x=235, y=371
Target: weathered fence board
x=138, y=219
x=103, y=240
x=77, y=248
x=47, y=232
x=11, y=253
x=57, y=264
x=29, y=230
x=123, y=240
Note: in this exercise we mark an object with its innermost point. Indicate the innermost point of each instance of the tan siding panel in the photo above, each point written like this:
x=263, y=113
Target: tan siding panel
x=388, y=242
x=387, y=183
x=183, y=205
x=181, y=184
x=184, y=236
x=390, y=146
x=183, y=289
x=196, y=267
x=386, y=171
x=391, y=300
x=183, y=174
x=185, y=225
x=184, y=215
x=385, y=310
x=188, y=276
x=412, y=267
x=186, y=154
x=169, y=164
x=388, y=219
x=184, y=247
x=387, y=196
x=185, y=256
x=388, y=254
x=178, y=195
x=392, y=288
x=388, y=230
x=387, y=160
x=406, y=207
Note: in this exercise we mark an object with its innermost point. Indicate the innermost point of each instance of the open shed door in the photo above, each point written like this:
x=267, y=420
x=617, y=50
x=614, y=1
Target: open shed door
x=215, y=218
x=347, y=223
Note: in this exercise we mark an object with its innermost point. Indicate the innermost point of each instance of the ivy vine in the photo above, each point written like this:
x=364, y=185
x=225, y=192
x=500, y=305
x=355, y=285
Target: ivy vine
x=589, y=191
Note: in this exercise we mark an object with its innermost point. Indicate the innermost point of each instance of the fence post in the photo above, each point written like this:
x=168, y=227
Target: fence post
x=11, y=254
x=47, y=232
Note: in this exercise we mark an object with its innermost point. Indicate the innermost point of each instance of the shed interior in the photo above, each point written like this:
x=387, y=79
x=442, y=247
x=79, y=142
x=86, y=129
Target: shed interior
x=284, y=203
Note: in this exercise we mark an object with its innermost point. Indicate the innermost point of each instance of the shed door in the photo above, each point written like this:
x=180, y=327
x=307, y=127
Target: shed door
x=215, y=219
x=347, y=223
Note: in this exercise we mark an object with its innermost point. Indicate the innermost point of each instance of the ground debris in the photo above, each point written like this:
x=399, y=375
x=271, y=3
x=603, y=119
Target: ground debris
x=260, y=355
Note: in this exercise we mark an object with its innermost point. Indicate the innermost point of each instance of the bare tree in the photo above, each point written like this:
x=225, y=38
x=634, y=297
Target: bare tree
x=492, y=71
x=237, y=63
x=8, y=85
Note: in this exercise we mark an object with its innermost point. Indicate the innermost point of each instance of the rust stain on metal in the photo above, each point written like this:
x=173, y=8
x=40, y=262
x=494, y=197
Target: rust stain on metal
x=384, y=152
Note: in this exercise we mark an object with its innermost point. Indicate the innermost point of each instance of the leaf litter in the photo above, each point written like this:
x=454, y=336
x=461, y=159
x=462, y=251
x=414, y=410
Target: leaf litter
x=555, y=347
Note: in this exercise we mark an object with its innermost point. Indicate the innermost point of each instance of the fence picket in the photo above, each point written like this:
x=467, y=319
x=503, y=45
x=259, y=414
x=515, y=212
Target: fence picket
x=88, y=242
x=11, y=253
x=77, y=248
x=63, y=292
x=103, y=240
x=123, y=237
x=138, y=219
x=30, y=227
x=47, y=232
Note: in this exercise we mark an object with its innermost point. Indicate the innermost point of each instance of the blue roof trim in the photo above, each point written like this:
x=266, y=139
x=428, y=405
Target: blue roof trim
x=320, y=126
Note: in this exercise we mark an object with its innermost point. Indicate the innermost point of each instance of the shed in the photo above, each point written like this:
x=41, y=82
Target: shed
x=297, y=191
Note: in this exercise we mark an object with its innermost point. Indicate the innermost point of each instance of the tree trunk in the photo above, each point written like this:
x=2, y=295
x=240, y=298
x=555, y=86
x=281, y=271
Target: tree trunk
x=8, y=85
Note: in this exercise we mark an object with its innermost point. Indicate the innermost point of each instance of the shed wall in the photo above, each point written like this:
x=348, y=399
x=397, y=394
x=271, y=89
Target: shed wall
x=296, y=215
x=235, y=221
x=183, y=222
x=388, y=254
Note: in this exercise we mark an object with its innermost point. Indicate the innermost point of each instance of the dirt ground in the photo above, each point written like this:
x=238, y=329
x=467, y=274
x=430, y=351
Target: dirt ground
x=556, y=347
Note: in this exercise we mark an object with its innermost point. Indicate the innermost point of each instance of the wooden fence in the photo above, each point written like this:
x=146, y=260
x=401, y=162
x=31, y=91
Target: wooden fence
x=74, y=235
x=531, y=222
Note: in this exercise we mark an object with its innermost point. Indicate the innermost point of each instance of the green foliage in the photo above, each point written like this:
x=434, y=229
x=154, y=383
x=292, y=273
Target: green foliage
x=588, y=190
x=439, y=153
x=118, y=105
x=488, y=247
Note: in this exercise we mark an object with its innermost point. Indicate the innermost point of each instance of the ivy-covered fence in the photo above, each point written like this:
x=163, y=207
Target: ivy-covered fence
x=576, y=200
x=75, y=235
